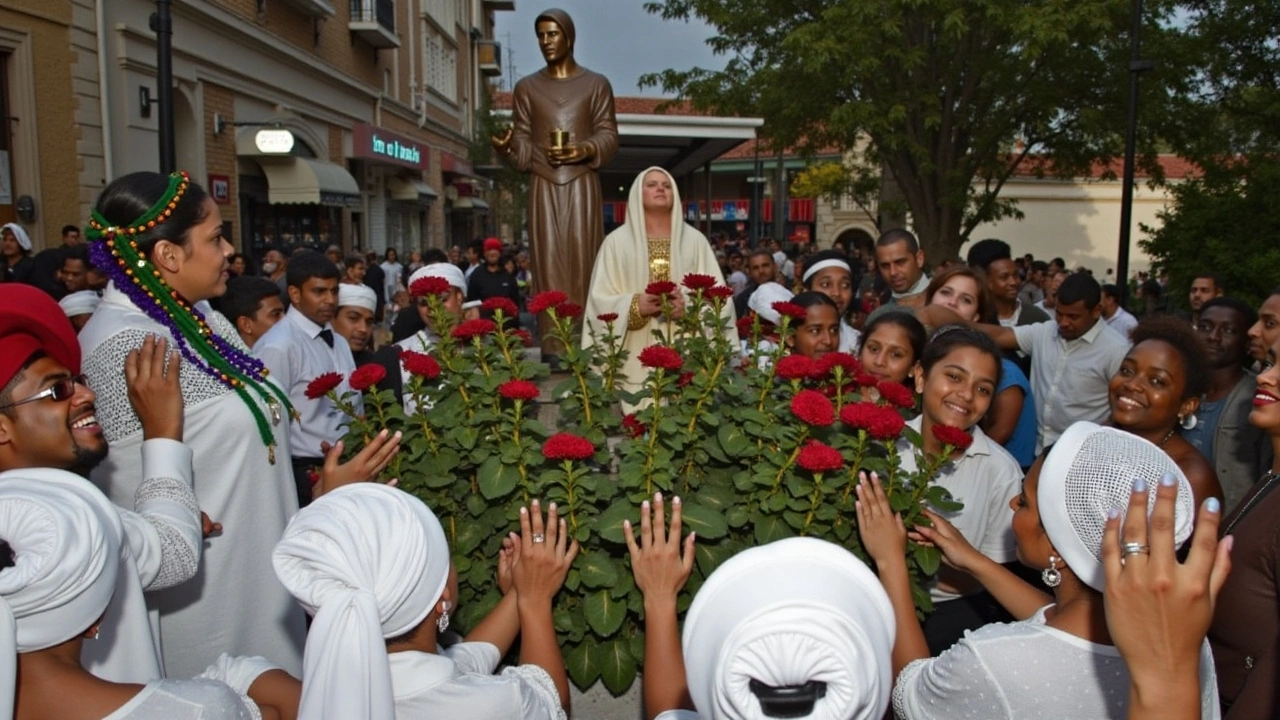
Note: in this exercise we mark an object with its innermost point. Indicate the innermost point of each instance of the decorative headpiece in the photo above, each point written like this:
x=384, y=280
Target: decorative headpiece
x=115, y=251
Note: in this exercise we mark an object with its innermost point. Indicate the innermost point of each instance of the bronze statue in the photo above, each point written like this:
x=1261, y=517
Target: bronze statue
x=563, y=130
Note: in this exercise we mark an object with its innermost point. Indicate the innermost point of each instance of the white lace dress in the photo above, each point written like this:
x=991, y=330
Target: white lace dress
x=220, y=693
x=460, y=684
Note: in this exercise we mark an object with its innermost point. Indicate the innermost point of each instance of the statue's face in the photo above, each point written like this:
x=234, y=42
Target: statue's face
x=552, y=41
x=657, y=192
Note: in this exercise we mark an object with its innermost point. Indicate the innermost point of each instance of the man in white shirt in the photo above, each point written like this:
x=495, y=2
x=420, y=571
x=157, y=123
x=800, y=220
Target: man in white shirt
x=900, y=262
x=302, y=347
x=1116, y=316
x=737, y=279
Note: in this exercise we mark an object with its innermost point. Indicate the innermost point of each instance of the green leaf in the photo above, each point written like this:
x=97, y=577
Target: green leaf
x=929, y=559
x=608, y=524
x=617, y=666
x=596, y=569
x=708, y=522
x=733, y=440
x=496, y=479
x=604, y=614
x=579, y=660
x=769, y=528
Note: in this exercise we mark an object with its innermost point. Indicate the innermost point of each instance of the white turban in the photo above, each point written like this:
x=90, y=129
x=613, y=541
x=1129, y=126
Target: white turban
x=24, y=240
x=65, y=536
x=357, y=295
x=1091, y=470
x=83, y=302
x=762, y=300
x=785, y=614
x=369, y=562
x=448, y=271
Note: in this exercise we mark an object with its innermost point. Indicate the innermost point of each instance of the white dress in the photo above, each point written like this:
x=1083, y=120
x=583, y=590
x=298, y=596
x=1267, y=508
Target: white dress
x=234, y=604
x=219, y=693
x=1024, y=671
x=461, y=685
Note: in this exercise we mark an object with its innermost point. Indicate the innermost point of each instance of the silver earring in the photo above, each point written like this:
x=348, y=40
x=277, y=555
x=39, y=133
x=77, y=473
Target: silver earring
x=1050, y=575
x=443, y=623
x=97, y=630
x=1189, y=422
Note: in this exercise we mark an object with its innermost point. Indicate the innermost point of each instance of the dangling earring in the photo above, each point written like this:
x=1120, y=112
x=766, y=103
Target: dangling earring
x=1189, y=422
x=443, y=623
x=97, y=630
x=1050, y=575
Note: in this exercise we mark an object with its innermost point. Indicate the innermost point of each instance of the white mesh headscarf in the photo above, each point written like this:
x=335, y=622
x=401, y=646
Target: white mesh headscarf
x=369, y=562
x=785, y=614
x=1089, y=471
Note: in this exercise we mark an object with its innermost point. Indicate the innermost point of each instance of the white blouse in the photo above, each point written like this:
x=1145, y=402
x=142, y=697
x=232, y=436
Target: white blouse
x=461, y=685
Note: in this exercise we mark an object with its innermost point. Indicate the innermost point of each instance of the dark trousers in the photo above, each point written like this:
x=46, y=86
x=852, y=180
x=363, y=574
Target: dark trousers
x=302, y=467
x=949, y=620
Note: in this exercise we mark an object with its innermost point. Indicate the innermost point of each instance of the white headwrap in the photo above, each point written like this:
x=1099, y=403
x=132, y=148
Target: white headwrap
x=24, y=240
x=83, y=302
x=813, y=269
x=762, y=300
x=785, y=614
x=448, y=271
x=357, y=295
x=66, y=538
x=368, y=562
x=1089, y=471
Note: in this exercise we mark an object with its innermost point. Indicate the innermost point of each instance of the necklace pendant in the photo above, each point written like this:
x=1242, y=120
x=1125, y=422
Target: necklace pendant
x=271, y=454
x=274, y=407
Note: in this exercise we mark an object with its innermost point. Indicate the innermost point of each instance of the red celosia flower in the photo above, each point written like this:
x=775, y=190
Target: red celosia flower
x=429, y=286
x=565, y=446
x=661, y=357
x=366, y=376
x=685, y=379
x=953, y=437
x=817, y=457
x=524, y=335
x=744, y=326
x=546, y=300
x=866, y=380
x=569, y=310
x=474, y=328
x=719, y=292
x=634, y=427
x=794, y=367
x=846, y=362
x=494, y=304
x=317, y=388
x=662, y=287
x=881, y=423
x=697, y=281
x=791, y=310
x=814, y=408
x=420, y=364
x=607, y=318
x=897, y=394
x=518, y=390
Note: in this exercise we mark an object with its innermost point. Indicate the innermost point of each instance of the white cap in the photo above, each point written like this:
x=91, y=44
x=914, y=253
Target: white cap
x=83, y=302
x=357, y=295
x=448, y=271
x=762, y=300
x=24, y=240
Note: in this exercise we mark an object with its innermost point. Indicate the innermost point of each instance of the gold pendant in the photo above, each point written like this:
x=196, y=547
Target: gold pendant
x=271, y=454
x=274, y=407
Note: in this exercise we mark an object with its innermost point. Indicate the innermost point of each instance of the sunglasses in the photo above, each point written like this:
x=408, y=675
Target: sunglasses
x=59, y=391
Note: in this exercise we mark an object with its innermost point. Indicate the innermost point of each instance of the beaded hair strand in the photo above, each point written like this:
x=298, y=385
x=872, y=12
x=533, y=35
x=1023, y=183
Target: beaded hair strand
x=115, y=252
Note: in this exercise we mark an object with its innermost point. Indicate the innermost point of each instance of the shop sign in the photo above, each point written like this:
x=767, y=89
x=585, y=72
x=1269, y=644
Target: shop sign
x=273, y=141
x=370, y=142
x=220, y=189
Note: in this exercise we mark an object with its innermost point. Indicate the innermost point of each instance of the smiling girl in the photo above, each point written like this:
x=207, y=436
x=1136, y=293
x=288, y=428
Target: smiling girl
x=819, y=334
x=828, y=272
x=892, y=346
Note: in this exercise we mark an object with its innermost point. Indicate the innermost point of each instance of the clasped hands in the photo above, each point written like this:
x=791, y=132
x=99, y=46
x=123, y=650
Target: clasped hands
x=651, y=305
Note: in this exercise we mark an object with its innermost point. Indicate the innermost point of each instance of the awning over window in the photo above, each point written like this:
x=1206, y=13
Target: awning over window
x=470, y=203
x=293, y=179
x=411, y=190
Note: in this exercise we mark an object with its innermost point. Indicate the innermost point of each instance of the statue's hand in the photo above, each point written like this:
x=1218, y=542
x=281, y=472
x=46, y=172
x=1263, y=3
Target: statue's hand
x=570, y=154
x=502, y=143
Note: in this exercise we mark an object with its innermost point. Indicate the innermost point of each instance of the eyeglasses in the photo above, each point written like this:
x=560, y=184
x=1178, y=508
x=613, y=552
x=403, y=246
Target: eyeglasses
x=59, y=391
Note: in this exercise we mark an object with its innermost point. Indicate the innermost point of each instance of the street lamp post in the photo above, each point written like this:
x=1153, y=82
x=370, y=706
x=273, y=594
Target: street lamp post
x=1137, y=66
x=162, y=24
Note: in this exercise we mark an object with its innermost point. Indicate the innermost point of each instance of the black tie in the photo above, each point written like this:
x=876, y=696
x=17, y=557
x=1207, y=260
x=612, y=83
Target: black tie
x=327, y=336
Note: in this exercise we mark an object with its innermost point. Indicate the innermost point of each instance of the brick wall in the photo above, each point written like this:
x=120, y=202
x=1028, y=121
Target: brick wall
x=220, y=151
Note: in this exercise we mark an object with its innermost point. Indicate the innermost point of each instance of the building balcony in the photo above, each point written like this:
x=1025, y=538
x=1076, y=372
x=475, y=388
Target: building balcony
x=489, y=57
x=508, y=5
x=374, y=21
x=314, y=8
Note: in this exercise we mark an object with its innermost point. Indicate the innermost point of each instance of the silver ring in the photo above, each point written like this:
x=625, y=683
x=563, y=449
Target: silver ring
x=539, y=537
x=1133, y=548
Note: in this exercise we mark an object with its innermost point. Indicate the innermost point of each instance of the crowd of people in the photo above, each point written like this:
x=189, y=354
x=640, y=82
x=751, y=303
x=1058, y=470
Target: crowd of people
x=180, y=538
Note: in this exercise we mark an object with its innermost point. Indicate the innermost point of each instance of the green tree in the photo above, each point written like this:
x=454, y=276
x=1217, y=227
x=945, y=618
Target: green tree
x=952, y=94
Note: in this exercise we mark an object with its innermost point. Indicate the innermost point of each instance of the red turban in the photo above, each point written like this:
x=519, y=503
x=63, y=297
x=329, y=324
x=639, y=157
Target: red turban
x=492, y=244
x=31, y=322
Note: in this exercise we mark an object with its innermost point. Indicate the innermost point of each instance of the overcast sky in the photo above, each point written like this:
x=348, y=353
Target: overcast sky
x=616, y=38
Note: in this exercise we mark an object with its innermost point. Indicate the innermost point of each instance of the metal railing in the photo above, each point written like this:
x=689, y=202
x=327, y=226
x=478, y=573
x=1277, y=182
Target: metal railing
x=382, y=12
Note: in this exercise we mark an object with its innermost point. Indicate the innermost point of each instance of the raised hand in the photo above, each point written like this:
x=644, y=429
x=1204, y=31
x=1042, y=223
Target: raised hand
x=956, y=550
x=544, y=556
x=507, y=558
x=153, y=388
x=366, y=465
x=883, y=535
x=658, y=563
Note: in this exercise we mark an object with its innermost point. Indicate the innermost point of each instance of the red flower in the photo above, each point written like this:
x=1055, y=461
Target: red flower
x=545, y=300
x=697, y=281
x=791, y=310
x=844, y=361
x=661, y=357
x=897, y=394
x=719, y=292
x=474, y=328
x=881, y=423
x=429, y=286
x=569, y=310
x=952, y=437
x=794, y=367
x=607, y=317
x=634, y=427
x=518, y=390
x=317, y=388
x=662, y=287
x=524, y=335
x=866, y=380
x=565, y=446
x=494, y=304
x=745, y=325
x=420, y=364
x=817, y=457
x=685, y=379
x=814, y=408
x=366, y=376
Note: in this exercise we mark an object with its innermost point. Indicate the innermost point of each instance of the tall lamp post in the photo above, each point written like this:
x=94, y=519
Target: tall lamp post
x=1137, y=66
x=162, y=24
